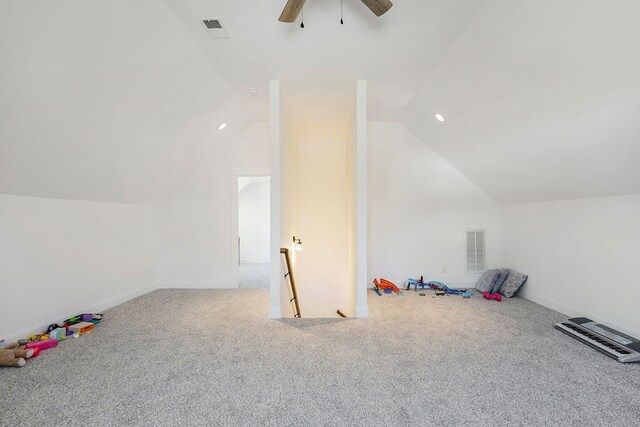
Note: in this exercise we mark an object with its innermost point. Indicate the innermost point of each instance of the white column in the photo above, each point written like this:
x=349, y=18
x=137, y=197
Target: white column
x=362, y=308
x=275, y=311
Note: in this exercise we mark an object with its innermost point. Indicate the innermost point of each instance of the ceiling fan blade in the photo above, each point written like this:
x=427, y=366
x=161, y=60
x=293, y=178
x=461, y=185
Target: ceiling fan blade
x=291, y=10
x=379, y=7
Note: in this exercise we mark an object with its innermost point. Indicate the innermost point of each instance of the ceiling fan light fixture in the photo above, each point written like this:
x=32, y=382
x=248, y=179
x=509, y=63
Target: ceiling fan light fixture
x=293, y=8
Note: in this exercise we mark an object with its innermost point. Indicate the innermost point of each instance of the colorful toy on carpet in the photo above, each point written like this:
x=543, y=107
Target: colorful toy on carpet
x=17, y=353
x=82, y=328
x=496, y=296
x=73, y=320
x=58, y=334
x=417, y=283
x=42, y=345
x=386, y=286
x=439, y=287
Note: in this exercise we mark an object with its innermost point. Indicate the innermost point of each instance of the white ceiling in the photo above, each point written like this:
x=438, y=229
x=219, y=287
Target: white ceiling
x=318, y=65
x=541, y=97
x=98, y=99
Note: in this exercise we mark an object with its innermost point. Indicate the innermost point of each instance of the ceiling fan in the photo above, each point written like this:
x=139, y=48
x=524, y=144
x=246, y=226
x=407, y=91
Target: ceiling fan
x=293, y=7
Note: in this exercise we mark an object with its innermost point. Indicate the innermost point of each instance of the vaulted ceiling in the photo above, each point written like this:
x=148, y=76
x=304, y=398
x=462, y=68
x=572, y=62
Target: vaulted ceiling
x=541, y=98
x=318, y=65
x=99, y=98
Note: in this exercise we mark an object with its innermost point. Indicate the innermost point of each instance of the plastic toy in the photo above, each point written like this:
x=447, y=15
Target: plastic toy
x=94, y=318
x=439, y=286
x=53, y=326
x=417, y=283
x=386, y=286
x=58, y=334
x=38, y=337
x=41, y=345
x=82, y=328
x=496, y=296
x=73, y=320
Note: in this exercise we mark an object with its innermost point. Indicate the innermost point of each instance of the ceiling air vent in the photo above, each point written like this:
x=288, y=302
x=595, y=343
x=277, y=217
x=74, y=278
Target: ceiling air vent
x=212, y=23
x=214, y=28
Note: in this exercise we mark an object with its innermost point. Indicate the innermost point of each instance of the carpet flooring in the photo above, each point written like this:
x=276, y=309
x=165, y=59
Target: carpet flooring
x=254, y=275
x=210, y=357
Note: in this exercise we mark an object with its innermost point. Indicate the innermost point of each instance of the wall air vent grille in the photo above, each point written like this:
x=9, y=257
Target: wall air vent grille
x=475, y=247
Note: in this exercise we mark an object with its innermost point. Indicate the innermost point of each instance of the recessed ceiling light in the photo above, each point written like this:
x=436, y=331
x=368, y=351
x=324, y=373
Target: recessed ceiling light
x=222, y=125
x=439, y=117
x=253, y=91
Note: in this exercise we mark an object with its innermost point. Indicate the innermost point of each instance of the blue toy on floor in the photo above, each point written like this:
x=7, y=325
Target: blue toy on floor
x=439, y=286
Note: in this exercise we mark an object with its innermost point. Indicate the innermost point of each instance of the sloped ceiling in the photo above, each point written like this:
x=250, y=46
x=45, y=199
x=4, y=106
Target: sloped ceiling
x=318, y=65
x=97, y=99
x=542, y=100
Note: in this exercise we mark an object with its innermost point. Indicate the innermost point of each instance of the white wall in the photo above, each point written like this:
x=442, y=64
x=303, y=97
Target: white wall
x=323, y=268
x=195, y=222
x=62, y=257
x=126, y=111
x=318, y=189
x=419, y=208
x=289, y=210
x=580, y=256
x=254, y=222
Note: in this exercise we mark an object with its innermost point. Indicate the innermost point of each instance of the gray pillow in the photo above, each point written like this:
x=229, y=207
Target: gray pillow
x=512, y=283
x=485, y=281
x=498, y=280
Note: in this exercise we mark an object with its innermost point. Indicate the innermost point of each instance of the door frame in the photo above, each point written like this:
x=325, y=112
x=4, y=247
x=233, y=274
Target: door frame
x=235, y=230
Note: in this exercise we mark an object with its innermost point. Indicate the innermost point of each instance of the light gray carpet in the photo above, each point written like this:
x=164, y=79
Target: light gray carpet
x=200, y=357
x=254, y=275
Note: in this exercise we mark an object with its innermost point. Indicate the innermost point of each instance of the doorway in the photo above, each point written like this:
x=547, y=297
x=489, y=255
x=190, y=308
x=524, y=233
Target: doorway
x=254, y=230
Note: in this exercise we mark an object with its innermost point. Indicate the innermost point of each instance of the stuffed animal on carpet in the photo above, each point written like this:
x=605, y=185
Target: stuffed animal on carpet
x=12, y=356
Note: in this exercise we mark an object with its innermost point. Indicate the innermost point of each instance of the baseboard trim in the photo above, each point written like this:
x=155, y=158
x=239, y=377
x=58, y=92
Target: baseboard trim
x=275, y=312
x=255, y=261
x=572, y=311
x=94, y=308
x=362, y=312
x=197, y=285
